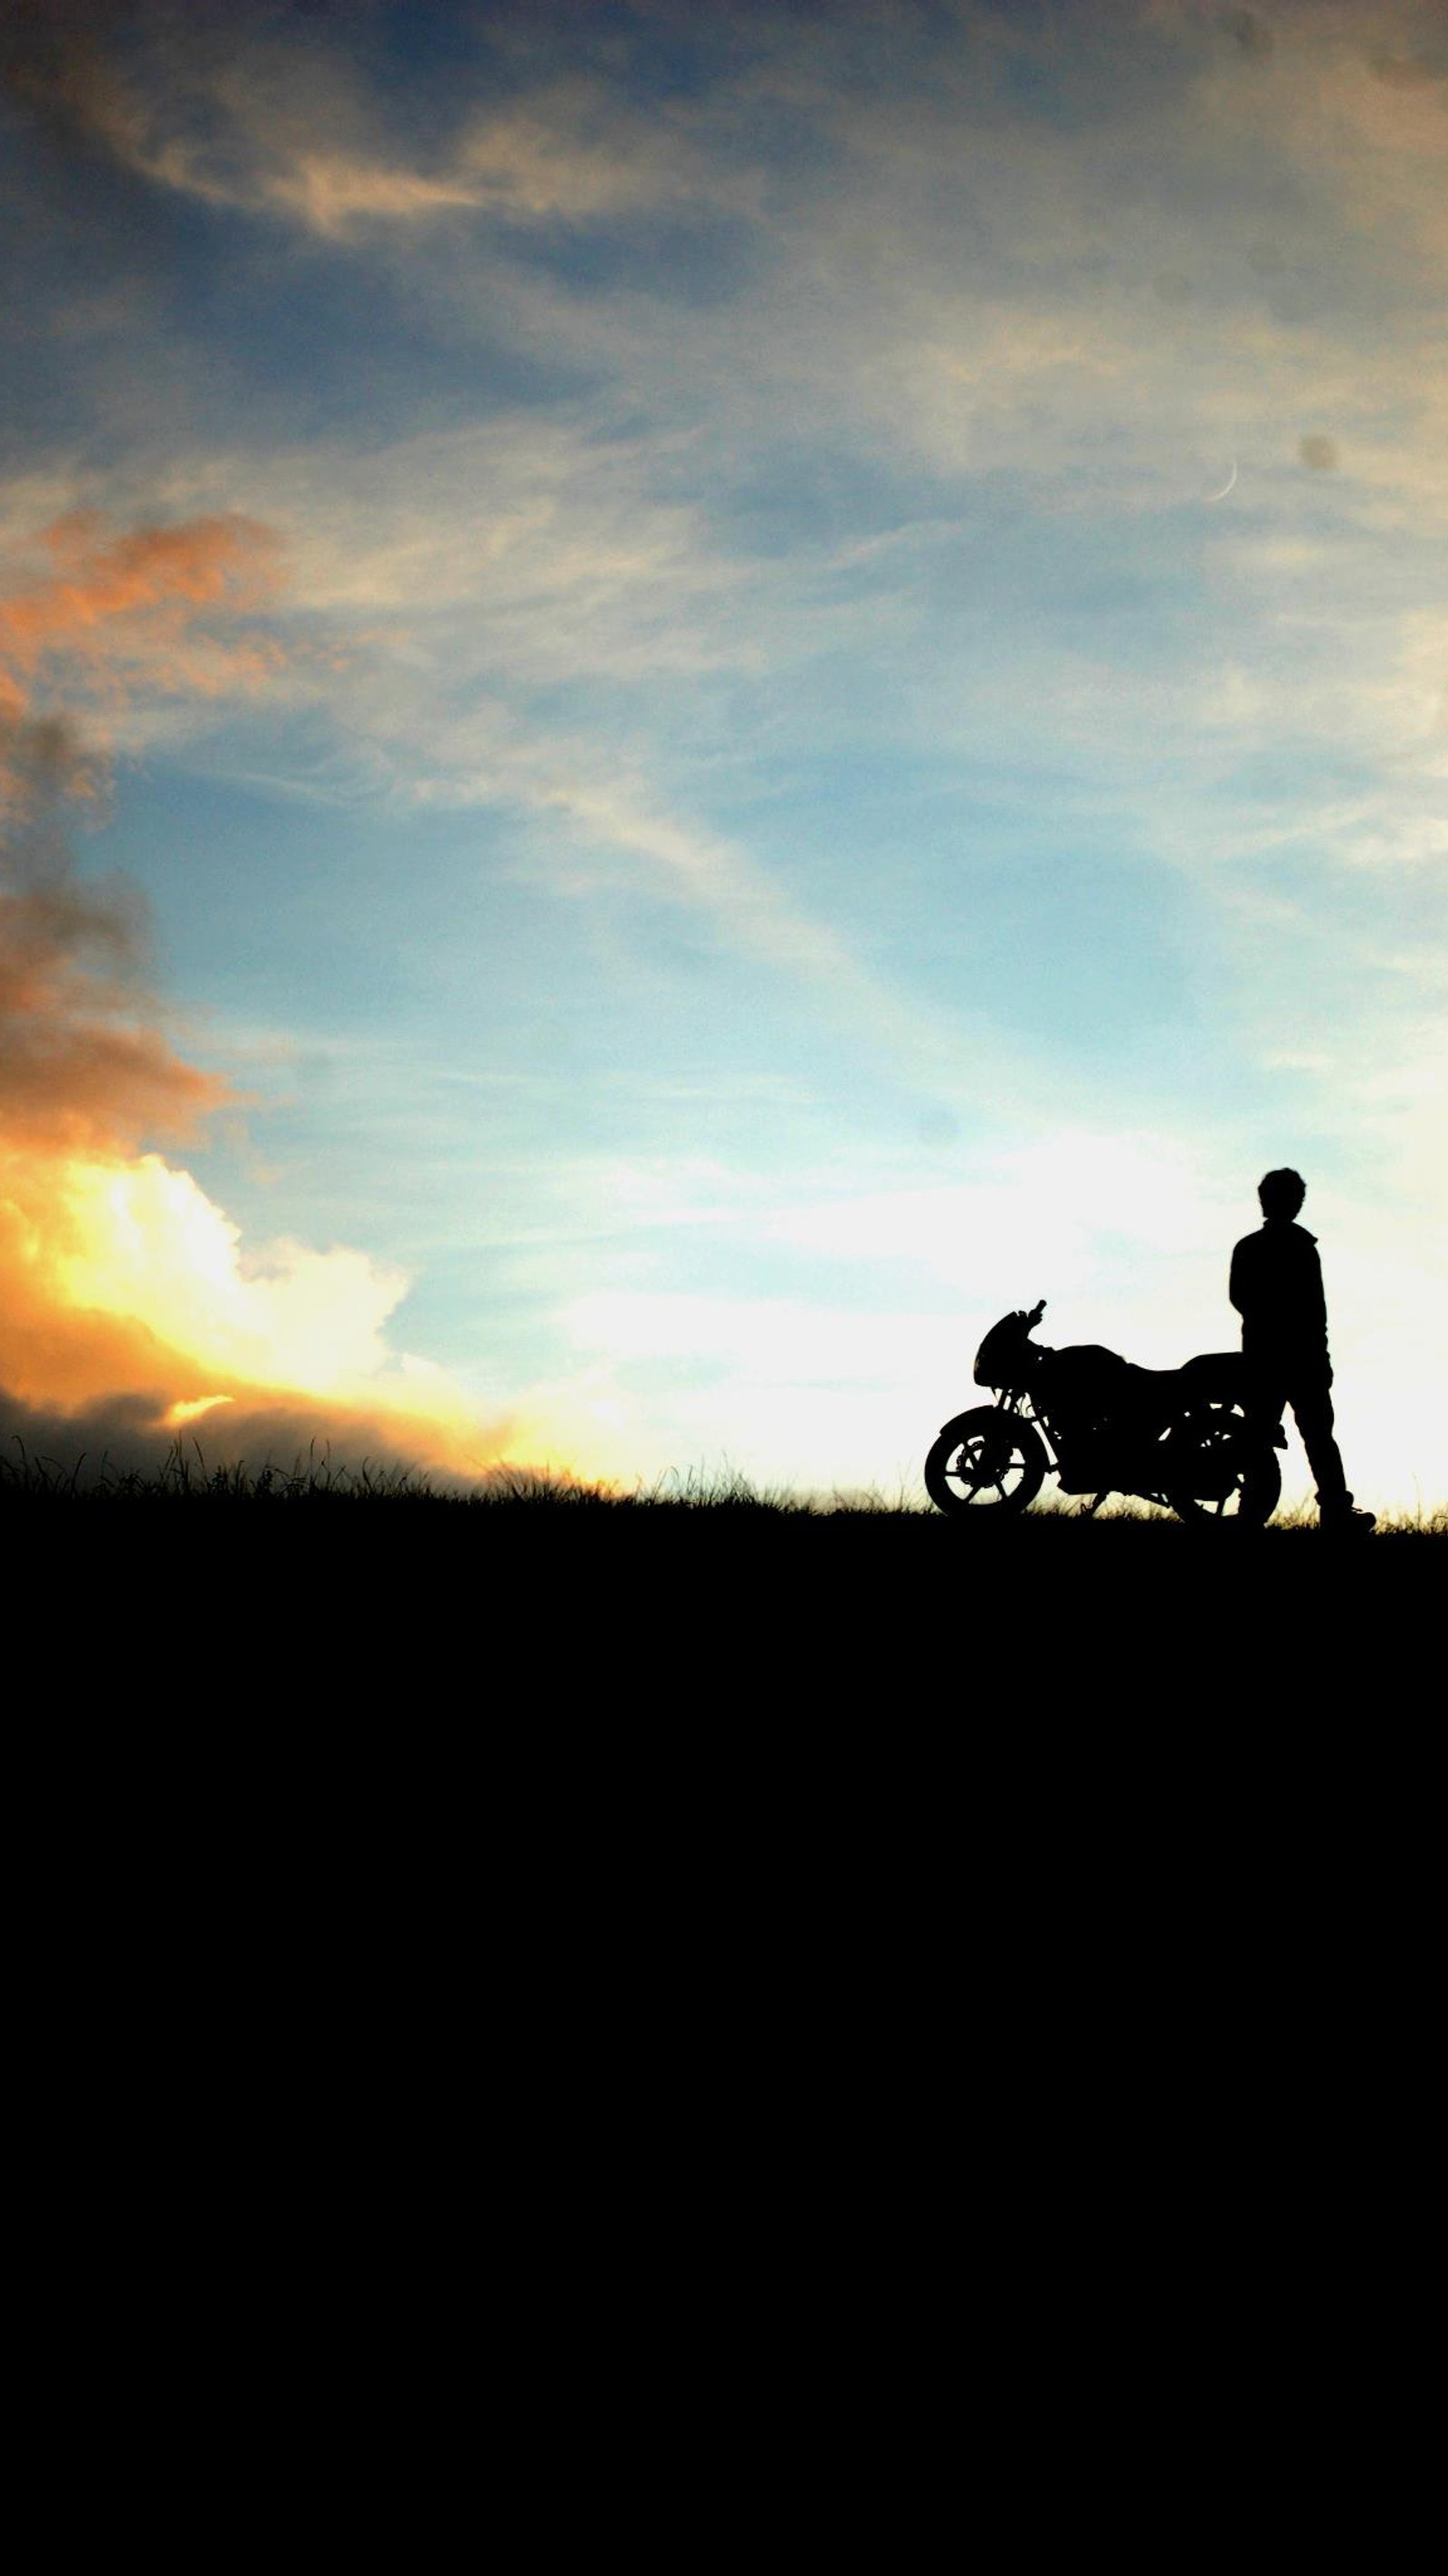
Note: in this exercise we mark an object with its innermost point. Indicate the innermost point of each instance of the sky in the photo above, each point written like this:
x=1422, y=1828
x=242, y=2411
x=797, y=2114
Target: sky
x=689, y=699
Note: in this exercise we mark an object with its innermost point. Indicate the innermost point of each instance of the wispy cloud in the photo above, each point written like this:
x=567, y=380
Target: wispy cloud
x=1042, y=405
x=263, y=120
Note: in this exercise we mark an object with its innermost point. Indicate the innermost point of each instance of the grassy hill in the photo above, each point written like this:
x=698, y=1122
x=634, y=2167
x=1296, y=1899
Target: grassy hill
x=665, y=1767
x=711, y=1590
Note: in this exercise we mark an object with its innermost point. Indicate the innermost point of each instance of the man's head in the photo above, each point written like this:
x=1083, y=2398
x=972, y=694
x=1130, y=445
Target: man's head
x=1281, y=1194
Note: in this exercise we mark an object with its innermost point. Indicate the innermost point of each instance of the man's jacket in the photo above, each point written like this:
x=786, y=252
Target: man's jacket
x=1276, y=1287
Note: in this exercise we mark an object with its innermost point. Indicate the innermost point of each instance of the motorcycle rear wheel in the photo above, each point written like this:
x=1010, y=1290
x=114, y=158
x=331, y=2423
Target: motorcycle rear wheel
x=988, y=1461
x=1220, y=1470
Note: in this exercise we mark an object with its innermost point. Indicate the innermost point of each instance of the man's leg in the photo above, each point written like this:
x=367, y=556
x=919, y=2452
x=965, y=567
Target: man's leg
x=1312, y=1411
x=1266, y=1398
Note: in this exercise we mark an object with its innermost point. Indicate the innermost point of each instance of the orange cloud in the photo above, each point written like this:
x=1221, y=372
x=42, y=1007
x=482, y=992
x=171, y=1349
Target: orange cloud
x=125, y=1299
x=117, y=611
x=127, y=1305
x=90, y=613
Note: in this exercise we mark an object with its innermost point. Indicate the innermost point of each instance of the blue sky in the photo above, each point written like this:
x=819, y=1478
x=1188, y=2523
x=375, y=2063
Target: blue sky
x=857, y=732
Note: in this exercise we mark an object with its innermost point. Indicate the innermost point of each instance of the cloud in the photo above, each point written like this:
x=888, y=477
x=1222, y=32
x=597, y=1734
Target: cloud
x=531, y=554
x=95, y=615
x=126, y=1299
x=111, y=612
x=1353, y=101
x=569, y=154
x=466, y=579
x=125, y=1288
x=917, y=479
x=78, y=1063
x=233, y=112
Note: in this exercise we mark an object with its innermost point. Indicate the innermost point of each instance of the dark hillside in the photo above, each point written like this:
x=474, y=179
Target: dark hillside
x=582, y=1801
x=760, y=1607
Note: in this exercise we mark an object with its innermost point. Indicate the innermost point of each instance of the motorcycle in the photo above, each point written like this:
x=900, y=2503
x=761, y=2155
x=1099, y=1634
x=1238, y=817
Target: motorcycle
x=1180, y=1437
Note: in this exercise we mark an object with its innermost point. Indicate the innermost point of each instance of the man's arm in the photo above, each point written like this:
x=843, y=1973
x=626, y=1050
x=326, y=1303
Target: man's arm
x=1314, y=1303
x=1237, y=1288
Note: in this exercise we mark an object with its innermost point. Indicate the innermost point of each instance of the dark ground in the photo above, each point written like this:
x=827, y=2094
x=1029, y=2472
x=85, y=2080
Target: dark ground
x=736, y=1877
x=742, y=1608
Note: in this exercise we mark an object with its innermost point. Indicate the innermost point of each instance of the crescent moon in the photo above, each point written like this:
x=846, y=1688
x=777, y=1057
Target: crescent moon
x=1227, y=486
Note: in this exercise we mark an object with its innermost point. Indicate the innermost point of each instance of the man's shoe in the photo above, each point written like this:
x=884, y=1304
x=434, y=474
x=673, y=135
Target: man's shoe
x=1347, y=1523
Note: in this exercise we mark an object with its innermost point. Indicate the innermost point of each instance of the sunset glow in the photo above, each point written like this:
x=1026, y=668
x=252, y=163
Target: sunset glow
x=691, y=698
x=119, y=1278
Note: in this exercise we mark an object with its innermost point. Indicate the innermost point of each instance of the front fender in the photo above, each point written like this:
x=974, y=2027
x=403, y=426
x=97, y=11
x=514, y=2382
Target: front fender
x=974, y=1415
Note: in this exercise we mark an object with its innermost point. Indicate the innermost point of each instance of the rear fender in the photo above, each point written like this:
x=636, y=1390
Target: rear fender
x=1221, y=1377
x=1216, y=1374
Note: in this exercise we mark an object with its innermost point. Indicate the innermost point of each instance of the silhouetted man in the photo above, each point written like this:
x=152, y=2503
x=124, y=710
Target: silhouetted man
x=1276, y=1287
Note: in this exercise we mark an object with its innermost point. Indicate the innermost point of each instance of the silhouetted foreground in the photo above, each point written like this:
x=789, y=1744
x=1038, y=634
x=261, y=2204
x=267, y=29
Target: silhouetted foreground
x=1182, y=1438
x=303, y=1588
x=371, y=1798
x=1276, y=1287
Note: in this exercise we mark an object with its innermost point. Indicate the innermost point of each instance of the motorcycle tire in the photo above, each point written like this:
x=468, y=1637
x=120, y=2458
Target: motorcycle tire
x=986, y=1461
x=1219, y=1470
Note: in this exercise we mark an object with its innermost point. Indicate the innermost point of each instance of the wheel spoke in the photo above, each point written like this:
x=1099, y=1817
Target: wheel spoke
x=992, y=1469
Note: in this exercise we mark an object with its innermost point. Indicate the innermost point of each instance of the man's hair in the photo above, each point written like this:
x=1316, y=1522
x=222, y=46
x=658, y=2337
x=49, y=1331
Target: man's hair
x=1281, y=1193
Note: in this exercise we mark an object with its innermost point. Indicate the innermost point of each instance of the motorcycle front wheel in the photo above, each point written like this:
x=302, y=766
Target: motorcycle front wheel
x=1220, y=1470
x=987, y=1461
